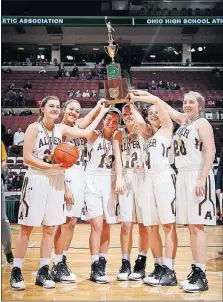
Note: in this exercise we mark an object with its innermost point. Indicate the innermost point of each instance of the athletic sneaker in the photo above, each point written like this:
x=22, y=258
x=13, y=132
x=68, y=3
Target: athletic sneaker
x=197, y=283
x=43, y=278
x=9, y=258
x=139, y=269
x=125, y=271
x=68, y=276
x=61, y=273
x=189, y=277
x=98, y=274
x=158, y=270
x=166, y=278
x=103, y=262
x=16, y=280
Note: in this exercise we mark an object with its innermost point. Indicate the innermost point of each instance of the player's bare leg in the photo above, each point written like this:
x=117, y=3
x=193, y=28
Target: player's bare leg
x=140, y=263
x=21, y=244
x=62, y=240
x=97, y=273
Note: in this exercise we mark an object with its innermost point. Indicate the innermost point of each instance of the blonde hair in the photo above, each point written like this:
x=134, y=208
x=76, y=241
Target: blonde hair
x=199, y=98
x=43, y=103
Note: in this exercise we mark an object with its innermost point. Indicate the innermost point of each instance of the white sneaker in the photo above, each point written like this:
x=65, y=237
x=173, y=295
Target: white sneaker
x=16, y=280
x=97, y=273
x=71, y=278
x=43, y=278
x=125, y=271
x=198, y=283
x=189, y=277
x=156, y=272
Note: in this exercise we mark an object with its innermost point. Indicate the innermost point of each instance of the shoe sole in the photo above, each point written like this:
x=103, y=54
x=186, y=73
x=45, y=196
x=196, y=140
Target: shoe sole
x=40, y=284
x=97, y=281
x=195, y=291
x=68, y=282
x=122, y=279
x=136, y=279
x=162, y=285
x=17, y=288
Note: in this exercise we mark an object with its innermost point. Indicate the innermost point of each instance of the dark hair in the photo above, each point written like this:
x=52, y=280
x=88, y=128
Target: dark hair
x=116, y=111
x=68, y=102
x=44, y=101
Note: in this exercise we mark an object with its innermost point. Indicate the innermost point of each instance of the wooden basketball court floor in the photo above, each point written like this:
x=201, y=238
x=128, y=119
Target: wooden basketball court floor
x=83, y=289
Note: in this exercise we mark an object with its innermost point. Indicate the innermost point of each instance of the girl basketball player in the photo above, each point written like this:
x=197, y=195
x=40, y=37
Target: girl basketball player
x=130, y=212
x=159, y=187
x=42, y=197
x=194, y=149
x=103, y=183
x=74, y=190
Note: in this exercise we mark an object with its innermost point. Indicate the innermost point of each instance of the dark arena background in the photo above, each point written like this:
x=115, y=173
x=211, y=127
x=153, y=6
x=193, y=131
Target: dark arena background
x=57, y=48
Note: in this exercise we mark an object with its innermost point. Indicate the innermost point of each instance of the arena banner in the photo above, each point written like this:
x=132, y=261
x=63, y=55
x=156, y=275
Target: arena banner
x=116, y=21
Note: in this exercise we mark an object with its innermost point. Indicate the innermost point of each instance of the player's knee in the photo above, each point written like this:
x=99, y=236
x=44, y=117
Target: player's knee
x=26, y=231
x=48, y=230
x=153, y=230
x=169, y=227
x=143, y=230
x=97, y=226
x=196, y=228
x=71, y=222
x=126, y=227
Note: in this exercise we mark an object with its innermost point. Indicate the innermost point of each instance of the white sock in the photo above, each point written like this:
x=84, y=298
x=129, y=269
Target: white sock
x=58, y=258
x=201, y=266
x=126, y=256
x=142, y=254
x=169, y=263
x=17, y=262
x=104, y=255
x=158, y=260
x=44, y=261
x=64, y=253
x=94, y=258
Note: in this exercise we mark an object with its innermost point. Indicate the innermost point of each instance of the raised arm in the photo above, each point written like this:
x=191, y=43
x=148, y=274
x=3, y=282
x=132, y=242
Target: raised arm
x=87, y=120
x=207, y=138
x=116, y=145
x=144, y=129
x=163, y=114
x=87, y=132
x=178, y=117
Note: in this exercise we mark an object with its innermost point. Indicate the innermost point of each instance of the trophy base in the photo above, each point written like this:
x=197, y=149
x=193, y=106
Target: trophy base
x=116, y=89
x=119, y=101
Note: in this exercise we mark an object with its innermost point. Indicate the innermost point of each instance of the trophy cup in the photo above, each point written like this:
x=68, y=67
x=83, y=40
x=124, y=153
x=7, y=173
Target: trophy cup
x=116, y=87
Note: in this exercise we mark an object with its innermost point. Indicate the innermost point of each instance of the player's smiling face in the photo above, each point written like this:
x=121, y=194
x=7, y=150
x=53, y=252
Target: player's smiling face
x=52, y=109
x=111, y=122
x=127, y=116
x=191, y=106
x=153, y=116
x=71, y=113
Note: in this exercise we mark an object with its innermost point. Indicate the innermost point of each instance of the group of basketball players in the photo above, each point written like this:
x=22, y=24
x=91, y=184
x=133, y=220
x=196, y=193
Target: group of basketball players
x=122, y=175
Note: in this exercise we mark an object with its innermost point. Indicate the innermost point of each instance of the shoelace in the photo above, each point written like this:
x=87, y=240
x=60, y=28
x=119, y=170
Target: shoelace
x=138, y=265
x=103, y=263
x=125, y=267
x=99, y=269
x=157, y=271
x=195, y=277
x=65, y=266
x=17, y=275
x=44, y=274
x=191, y=273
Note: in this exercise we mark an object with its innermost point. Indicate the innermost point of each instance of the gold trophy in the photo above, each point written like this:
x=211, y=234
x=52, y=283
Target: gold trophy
x=116, y=87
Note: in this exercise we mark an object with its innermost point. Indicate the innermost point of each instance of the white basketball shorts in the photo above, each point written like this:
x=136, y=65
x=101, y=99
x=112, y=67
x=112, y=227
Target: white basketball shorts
x=191, y=209
x=130, y=209
x=100, y=199
x=42, y=200
x=159, y=198
x=75, y=180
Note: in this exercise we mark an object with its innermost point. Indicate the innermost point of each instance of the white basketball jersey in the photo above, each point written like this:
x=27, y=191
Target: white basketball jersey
x=131, y=151
x=156, y=153
x=81, y=144
x=187, y=148
x=42, y=141
x=100, y=155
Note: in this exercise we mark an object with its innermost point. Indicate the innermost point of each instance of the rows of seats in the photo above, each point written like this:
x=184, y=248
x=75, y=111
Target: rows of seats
x=47, y=85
